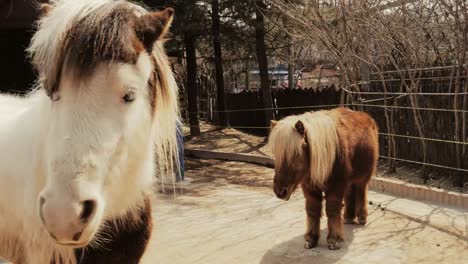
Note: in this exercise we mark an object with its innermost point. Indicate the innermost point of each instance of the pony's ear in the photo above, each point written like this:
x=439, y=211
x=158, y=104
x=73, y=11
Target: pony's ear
x=153, y=26
x=300, y=127
x=273, y=123
x=45, y=9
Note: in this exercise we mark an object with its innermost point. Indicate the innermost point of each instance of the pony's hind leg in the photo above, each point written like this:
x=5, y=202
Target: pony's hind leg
x=334, y=204
x=361, y=203
x=314, y=212
x=350, y=205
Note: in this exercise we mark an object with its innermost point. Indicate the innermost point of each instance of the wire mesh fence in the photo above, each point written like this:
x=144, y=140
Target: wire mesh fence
x=425, y=127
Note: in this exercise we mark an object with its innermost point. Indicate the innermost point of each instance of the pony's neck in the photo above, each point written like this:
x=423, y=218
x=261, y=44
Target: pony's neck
x=22, y=130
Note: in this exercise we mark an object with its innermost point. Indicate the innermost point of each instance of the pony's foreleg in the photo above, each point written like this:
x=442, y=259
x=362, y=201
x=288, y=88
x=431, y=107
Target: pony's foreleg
x=314, y=212
x=334, y=204
x=361, y=203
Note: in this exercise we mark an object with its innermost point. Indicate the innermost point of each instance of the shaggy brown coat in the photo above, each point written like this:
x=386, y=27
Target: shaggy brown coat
x=352, y=137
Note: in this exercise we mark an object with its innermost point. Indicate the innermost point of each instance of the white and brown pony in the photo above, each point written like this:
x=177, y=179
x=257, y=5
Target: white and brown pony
x=334, y=152
x=79, y=152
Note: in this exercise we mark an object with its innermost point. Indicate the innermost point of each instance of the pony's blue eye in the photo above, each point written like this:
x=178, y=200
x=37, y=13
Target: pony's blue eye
x=129, y=97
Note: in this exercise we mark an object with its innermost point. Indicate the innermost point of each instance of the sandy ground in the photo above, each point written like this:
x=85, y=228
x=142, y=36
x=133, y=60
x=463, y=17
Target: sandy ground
x=229, y=140
x=225, y=212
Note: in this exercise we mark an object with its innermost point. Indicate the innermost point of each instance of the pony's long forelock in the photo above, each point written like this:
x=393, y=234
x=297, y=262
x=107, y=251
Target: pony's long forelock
x=322, y=138
x=77, y=35
x=166, y=117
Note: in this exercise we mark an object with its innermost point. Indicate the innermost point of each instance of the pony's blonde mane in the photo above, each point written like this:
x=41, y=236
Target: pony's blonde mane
x=320, y=128
x=166, y=116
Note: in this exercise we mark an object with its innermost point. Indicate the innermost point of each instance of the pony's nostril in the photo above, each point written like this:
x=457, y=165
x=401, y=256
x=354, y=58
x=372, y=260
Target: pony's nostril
x=77, y=236
x=88, y=209
x=284, y=192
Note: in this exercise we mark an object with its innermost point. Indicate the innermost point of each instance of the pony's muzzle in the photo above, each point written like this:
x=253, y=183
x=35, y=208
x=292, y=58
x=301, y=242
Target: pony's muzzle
x=67, y=222
x=281, y=192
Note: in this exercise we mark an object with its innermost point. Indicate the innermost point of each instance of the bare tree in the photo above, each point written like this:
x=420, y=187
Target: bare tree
x=218, y=61
x=192, y=84
x=368, y=38
x=263, y=61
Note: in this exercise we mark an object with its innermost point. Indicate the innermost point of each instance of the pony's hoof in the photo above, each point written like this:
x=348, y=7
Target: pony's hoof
x=334, y=245
x=310, y=244
x=362, y=220
x=348, y=221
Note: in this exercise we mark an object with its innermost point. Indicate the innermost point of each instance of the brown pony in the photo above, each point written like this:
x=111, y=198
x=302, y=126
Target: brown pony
x=331, y=151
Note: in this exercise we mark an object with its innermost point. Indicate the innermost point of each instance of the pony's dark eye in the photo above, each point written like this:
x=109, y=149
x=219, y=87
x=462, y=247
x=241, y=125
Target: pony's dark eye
x=129, y=97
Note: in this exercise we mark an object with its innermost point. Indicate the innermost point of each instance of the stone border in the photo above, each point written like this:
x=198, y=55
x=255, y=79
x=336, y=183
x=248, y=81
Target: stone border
x=383, y=185
x=419, y=192
x=219, y=155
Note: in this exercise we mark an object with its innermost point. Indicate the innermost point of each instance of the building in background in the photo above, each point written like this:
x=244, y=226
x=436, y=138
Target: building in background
x=314, y=76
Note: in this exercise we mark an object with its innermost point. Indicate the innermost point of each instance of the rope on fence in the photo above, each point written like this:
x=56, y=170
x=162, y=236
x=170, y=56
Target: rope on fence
x=381, y=156
x=269, y=108
x=425, y=163
x=435, y=78
x=426, y=139
x=336, y=105
x=380, y=133
x=399, y=93
x=414, y=108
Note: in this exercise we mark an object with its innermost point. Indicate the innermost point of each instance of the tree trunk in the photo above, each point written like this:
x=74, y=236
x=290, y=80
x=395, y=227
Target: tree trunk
x=461, y=71
x=291, y=82
x=218, y=61
x=456, y=106
x=391, y=151
x=192, y=87
x=263, y=61
x=247, y=74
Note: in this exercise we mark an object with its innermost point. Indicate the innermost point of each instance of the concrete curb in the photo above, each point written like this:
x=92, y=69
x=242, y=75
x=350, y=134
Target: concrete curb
x=390, y=186
x=419, y=192
x=218, y=155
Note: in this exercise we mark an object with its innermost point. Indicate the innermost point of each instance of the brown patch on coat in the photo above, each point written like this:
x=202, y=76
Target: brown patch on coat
x=125, y=243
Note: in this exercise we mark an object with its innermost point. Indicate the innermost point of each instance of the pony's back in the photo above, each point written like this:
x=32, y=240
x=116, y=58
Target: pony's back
x=359, y=140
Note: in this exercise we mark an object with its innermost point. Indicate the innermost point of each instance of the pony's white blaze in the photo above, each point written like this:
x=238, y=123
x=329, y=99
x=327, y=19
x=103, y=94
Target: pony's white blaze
x=322, y=138
x=95, y=141
x=89, y=157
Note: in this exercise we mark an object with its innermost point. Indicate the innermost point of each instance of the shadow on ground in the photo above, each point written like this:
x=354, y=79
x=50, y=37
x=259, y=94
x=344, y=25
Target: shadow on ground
x=206, y=176
x=293, y=251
